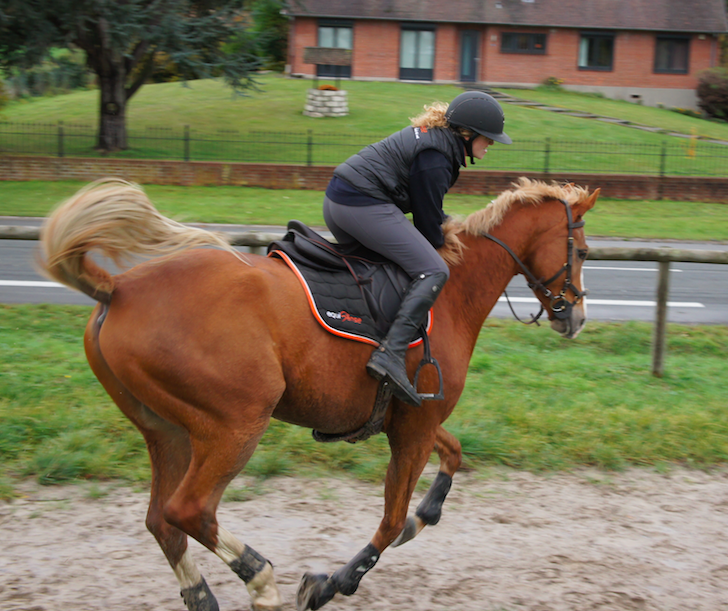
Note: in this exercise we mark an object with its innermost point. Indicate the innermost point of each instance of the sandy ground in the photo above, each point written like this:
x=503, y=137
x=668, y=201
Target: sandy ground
x=507, y=541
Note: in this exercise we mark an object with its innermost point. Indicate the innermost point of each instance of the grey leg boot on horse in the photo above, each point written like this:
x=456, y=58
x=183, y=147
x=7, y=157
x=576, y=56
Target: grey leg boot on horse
x=387, y=361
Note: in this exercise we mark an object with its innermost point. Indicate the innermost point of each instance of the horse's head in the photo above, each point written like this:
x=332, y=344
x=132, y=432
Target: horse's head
x=541, y=227
x=556, y=260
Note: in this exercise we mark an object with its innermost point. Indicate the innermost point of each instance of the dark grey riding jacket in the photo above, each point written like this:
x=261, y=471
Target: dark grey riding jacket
x=382, y=170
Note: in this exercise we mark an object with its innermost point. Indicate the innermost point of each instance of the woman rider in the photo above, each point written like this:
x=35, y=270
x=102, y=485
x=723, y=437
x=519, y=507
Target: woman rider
x=410, y=171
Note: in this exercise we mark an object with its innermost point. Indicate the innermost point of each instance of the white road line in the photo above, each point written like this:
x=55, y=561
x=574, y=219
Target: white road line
x=31, y=283
x=612, y=302
x=617, y=302
x=628, y=269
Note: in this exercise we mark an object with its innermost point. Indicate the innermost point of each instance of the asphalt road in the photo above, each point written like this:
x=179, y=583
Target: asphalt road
x=619, y=290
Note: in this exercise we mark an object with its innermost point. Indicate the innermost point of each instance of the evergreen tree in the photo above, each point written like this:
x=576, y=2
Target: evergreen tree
x=270, y=26
x=121, y=38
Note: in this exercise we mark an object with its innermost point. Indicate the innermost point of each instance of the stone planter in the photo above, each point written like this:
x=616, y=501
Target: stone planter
x=326, y=103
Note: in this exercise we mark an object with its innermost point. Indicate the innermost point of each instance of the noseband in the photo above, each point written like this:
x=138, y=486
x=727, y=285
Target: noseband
x=560, y=305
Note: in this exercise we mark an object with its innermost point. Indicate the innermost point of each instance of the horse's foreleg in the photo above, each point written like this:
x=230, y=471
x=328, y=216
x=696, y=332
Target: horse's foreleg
x=192, y=508
x=411, y=443
x=430, y=509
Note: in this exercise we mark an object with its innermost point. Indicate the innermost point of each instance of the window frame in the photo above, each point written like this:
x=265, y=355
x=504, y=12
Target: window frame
x=325, y=70
x=531, y=50
x=611, y=36
x=672, y=38
x=417, y=74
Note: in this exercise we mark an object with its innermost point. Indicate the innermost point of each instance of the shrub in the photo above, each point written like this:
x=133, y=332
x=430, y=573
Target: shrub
x=688, y=112
x=62, y=70
x=4, y=98
x=713, y=92
x=552, y=82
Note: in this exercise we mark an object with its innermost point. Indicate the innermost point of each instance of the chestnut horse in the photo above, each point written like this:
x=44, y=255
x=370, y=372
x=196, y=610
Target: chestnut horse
x=201, y=348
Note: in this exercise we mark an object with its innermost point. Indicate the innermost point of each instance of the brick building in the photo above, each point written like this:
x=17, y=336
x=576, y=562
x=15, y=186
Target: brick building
x=647, y=51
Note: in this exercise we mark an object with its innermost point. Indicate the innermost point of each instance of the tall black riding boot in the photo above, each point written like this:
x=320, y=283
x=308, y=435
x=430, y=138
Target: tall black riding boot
x=387, y=361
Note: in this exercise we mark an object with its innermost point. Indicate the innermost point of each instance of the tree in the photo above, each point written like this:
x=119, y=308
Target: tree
x=122, y=38
x=270, y=26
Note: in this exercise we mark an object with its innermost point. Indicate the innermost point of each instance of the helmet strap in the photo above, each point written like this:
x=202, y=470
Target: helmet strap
x=469, y=148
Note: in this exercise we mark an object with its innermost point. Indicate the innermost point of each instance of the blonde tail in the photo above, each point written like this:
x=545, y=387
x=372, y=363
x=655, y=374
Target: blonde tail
x=115, y=218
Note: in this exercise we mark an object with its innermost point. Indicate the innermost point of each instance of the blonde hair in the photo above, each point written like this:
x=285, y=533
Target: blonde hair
x=434, y=116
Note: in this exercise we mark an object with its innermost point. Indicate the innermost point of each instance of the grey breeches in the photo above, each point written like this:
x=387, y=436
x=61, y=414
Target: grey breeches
x=385, y=229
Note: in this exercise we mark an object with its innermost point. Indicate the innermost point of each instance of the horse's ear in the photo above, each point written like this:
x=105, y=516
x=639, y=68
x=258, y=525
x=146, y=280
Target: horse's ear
x=582, y=207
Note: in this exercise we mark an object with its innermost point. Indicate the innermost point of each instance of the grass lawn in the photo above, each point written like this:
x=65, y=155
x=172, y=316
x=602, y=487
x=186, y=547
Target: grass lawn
x=268, y=125
x=376, y=110
x=532, y=400
x=614, y=218
x=619, y=109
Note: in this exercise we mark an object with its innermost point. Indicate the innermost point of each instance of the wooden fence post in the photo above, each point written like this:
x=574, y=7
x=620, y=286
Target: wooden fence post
x=660, y=333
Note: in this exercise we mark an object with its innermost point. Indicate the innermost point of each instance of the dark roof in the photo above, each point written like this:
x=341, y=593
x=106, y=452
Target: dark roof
x=701, y=16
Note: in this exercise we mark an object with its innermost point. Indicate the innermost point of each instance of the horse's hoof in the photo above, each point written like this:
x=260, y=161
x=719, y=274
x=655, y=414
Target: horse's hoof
x=199, y=598
x=314, y=592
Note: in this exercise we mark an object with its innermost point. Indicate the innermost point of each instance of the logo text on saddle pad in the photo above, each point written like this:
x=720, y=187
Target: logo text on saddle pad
x=343, y=315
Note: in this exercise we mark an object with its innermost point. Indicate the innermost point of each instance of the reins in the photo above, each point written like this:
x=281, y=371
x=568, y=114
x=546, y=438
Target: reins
x=560, y=305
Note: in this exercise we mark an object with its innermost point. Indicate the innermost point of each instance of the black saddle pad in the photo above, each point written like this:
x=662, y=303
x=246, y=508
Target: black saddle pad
x=352, y=294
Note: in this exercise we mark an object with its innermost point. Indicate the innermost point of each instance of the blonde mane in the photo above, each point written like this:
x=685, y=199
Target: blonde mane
x=525, y=192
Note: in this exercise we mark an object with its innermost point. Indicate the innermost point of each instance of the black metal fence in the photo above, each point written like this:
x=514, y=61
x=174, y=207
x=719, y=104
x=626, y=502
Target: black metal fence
x=664, y=156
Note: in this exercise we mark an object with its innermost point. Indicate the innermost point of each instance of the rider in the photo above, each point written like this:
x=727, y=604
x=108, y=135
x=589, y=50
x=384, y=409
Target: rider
x=410, y=171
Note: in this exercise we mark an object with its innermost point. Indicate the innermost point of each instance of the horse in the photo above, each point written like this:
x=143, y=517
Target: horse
x=200, y=347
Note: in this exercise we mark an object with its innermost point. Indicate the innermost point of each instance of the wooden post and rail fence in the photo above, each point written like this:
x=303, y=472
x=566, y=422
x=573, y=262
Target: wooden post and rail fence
x=257, y=241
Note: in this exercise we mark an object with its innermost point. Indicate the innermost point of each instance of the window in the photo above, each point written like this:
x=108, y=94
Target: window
x=671, y=55
x=596, y=51
x=512, y=42
x=417, y=53
x=334, y=34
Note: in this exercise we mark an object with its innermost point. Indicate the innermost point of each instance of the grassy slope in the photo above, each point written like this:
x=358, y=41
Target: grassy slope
x=618, y=109
x=376, y=109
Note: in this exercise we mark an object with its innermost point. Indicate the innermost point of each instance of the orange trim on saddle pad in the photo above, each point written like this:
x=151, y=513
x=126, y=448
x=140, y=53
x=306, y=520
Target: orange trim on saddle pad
x=323, y=323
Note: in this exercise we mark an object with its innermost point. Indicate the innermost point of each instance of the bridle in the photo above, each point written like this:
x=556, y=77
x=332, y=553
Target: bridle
x=560, y=305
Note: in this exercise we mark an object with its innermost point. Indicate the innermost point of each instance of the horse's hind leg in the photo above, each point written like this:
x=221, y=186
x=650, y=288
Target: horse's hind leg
x=411, y=440
x=429, y=510
x=216, y=459
x=169, y=453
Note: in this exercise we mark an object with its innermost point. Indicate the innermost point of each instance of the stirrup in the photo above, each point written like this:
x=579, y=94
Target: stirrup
x=428, y=359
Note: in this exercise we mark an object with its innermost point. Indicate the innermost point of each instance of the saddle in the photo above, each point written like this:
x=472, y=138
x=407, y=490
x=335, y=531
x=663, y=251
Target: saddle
x=353, y=294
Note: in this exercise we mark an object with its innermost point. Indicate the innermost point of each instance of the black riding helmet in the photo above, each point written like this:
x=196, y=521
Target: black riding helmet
x=478, y=112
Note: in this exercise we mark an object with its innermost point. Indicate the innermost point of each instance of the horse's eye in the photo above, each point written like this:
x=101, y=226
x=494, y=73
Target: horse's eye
x=582, y=253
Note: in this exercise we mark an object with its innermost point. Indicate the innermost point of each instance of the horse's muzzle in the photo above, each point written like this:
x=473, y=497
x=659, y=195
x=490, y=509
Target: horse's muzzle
x=569, y=327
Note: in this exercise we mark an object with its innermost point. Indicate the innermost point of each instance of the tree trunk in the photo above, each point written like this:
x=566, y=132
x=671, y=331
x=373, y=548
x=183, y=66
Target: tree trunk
x=112, y=115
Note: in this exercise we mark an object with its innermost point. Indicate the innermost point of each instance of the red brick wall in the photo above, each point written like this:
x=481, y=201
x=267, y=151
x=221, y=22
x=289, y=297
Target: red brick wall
x=634, y=56
x=272, y=176
x=447, y=53
x=304, y=34
x=376, y=50
x=376, y=55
